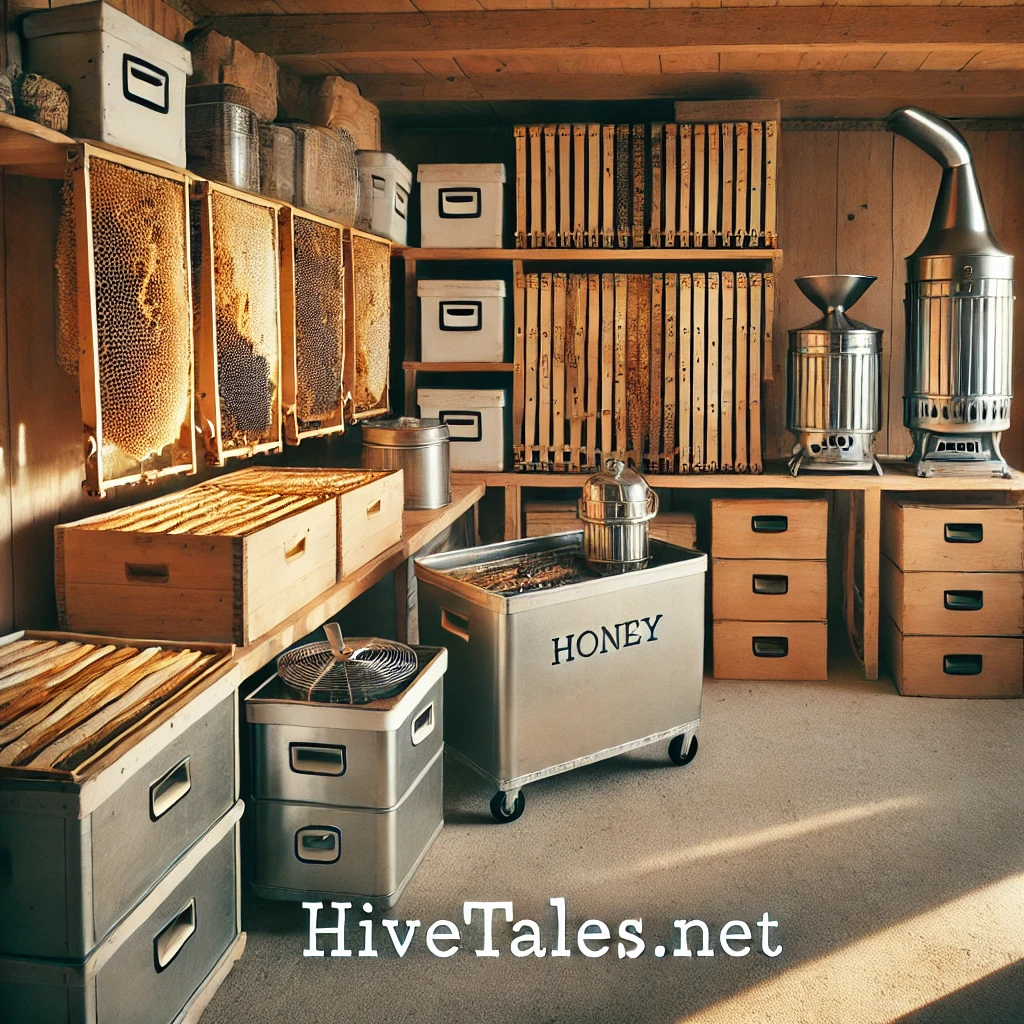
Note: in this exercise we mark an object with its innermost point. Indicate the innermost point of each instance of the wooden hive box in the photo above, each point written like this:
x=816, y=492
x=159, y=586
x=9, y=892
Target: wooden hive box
x=227, y=560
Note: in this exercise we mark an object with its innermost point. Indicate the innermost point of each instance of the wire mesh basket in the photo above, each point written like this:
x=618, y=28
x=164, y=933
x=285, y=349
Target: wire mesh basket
x=124, y=320
x=312, y=326
x=368, y=325
x=238, y=326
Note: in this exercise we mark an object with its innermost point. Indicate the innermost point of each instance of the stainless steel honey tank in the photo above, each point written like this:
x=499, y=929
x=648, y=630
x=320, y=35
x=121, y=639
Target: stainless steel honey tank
x=959, y=317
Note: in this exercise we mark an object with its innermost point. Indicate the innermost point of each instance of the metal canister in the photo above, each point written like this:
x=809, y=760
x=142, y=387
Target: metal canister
x=616, y=508
x=222, y=142
x=834, y=393
x=420, y=449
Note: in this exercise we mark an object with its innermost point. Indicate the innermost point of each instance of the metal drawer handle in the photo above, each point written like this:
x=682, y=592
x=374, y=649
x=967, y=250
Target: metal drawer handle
x=373, y=509
x=169, y=789
x=318, y=844
x=313, y=759
x=171, y=940
x=770, y=646
x=770, y=584
x=423, y=725
x=136, y=572
x=962, y=664
x=963, y=533
x=456, y=624
x=769, y=524
x=295, y=551
x=963, y=600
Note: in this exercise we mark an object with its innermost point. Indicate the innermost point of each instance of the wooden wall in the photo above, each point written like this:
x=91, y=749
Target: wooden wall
x=858, y=202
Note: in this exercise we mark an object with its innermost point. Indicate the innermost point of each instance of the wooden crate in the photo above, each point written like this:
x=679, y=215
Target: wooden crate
x=768, y=528
x=312, y=325
x=770, y=650
x=124, y=315
x=953, y=666
x=921, y=536
x=242, y=558
x=953, y=603
x=769, y=590
x=238, y=318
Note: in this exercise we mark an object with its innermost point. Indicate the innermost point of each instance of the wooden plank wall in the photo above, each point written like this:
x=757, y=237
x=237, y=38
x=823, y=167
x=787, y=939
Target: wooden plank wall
x=856, y=201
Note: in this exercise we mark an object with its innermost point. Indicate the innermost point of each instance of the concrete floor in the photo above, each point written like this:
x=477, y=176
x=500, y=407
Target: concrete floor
x=884, y=834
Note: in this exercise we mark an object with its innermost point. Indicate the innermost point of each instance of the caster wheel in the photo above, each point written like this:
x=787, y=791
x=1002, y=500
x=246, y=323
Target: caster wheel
x=504, y=810
x=675, y=750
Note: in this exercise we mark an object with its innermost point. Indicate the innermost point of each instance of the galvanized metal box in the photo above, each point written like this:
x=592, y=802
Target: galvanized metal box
x=545, y=681
x=160, y=963
x=79, y=850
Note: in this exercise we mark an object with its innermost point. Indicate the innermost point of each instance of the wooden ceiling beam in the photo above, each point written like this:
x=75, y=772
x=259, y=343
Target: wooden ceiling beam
x=992, y=30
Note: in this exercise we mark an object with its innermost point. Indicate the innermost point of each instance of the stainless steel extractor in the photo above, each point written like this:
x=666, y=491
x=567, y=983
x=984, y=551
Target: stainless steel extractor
x=959, y=317
x=616, y=508
x=553, y=665
x=834, y=386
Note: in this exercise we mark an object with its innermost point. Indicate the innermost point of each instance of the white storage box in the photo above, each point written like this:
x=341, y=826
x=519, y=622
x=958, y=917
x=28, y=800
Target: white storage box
x=460, y=205
x=476, y=425
x=126, y=82
x=462, y=321
x=384, y=186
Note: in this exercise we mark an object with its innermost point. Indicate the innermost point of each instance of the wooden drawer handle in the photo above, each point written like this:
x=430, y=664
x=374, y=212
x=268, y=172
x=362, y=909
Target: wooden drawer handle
x=770, y=646
x=136, y=572
x=963, y=533
x=963, y=600
x=769, y=524
x=962, y=664
x=172, y=938
x=373, y=509
x=295, y=551
x=770, y=584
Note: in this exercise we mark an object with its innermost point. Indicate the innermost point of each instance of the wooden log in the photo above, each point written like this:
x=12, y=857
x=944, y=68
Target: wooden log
x=726, y=441
x=656, y=372
x=699, y=174
x=558, y=344
x=754, y=373
x=684, y=374
x=728, y=190
x=536, y=186
x=638, y=215
x=656, y=229
x=755, y=233
x=740, y=375
x=671, y=231
x=564, y=236
x=579, y=194
x=606, y=346
x=593, y=185
x=550, y=188
x=531, y=361
x=544, y=389
x=608, y=186
x=518, y=364
x=714, y=141
x=670, y=368
x=740, y=221
x=621, y=438
x=697, y=369
x=713, y=391
x=521, y=185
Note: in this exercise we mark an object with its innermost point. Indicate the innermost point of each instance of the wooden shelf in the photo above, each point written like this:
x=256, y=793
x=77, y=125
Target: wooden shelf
x=897, y=476
x=29, y=148
x=459, y=367
x=727, y=255
x=418, y=528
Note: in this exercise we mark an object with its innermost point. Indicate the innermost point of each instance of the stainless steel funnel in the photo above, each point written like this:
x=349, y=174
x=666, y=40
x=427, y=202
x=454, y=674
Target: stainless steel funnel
x=834, y=291
x=959, y=317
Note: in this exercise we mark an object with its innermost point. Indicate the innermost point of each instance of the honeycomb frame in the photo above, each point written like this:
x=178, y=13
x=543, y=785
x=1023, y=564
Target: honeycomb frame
x=182, y=455
x=360, y=299
x=296, y=394
x=213, y=296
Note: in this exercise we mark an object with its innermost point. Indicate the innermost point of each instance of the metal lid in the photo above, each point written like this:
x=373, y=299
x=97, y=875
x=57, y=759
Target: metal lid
x=617, y=494
x=405, y=432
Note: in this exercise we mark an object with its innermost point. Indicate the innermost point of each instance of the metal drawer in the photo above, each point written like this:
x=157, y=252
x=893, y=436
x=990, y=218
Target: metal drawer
x=308, y=850
x=769, y=528
x=75, y=863
x=155, y=961
x=343, y=755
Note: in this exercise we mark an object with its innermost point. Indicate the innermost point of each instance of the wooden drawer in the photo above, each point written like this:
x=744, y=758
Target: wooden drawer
x=959, y=538
x=765, y=590
x=770, y=650
x=954, y=603
x=954, y=666
x=766, y=528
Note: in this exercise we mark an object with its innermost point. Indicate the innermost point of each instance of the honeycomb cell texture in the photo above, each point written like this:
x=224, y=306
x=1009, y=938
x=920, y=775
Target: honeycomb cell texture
x=319, y=321
x=67, y=282
x=246, y=300
x=371, y=275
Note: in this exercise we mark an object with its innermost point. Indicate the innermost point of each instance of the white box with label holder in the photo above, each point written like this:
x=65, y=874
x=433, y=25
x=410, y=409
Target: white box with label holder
x=476, y=424
x=126, y=82
x=462, y=321
x=461, y=205
x=384, y=186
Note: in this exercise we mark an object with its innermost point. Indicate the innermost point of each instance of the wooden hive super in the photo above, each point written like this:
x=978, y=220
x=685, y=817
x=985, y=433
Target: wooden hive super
x=227, y=560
